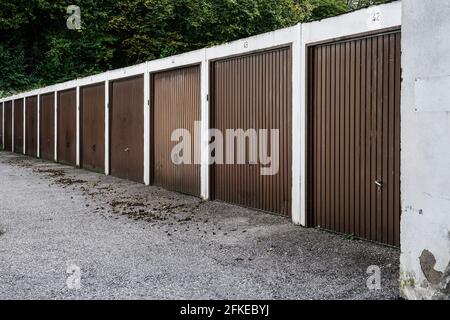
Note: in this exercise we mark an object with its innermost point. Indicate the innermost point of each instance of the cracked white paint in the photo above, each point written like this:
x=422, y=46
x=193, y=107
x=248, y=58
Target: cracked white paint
x=425, y=141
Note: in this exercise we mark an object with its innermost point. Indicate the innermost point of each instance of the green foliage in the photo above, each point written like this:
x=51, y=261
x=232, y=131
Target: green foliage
x=37, y=49
x=13, y=75
x=327, y=8
x=350, y=237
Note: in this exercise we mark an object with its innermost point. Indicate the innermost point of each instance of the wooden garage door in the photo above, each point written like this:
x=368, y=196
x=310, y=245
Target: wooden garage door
x=93, y=127
x=8, y=125
x=67, y=127
x=254, y=91
x=31, y=126
x=354, y=137
x=127, y=128
x=18, y=126
x=1, y=125
x=176, y=105
x=47, y=126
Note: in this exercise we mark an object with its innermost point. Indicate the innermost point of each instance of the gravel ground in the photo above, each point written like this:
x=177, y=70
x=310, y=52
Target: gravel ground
x=132, y=241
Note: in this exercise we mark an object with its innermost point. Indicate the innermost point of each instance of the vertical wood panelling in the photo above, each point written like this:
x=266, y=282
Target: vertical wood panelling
x=18, y=126
x=176, y=105
x=127, y=128
x=92, y=108
x=8, y=125
x=31, y=125
x=254, y=91
x=67, y=126
x=1, y=124
x=47, y=126
x=353, y=141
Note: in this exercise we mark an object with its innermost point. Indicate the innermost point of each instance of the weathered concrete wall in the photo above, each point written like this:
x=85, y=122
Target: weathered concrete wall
x=425, y=226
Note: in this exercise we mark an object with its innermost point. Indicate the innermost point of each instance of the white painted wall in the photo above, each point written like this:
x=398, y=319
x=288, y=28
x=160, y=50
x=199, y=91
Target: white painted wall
x=38, y=133
x=12, y=125
x=78, y=127
x=204, y=135
x=147, y=128
x=107, y=127
x=3, y=124
x=425, y=130
x=56, y=127
x=24, y=126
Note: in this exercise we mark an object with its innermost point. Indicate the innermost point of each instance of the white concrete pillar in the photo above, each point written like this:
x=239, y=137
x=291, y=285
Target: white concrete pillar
x=56, y=127
x=107, y=127
x=38, y=133
x=147, y=125
x=204, y=134
x=298, y=130
x=78, y=134
x=12, y=124
x=3, y=124
x=425, y=155
x=24, y=125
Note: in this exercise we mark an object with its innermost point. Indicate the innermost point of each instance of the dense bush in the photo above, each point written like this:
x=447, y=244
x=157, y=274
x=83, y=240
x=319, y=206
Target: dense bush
x=37, y=49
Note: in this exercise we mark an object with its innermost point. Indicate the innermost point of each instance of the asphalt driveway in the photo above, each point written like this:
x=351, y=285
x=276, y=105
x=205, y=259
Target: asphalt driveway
x=124, y=240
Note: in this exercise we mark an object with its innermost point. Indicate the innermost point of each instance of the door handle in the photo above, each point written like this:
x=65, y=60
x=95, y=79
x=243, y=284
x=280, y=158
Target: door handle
x=126, y=149
x=379, y=184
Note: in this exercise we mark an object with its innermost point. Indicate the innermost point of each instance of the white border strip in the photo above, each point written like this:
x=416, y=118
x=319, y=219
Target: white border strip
x=264, y=41
x=38, y=140
x=146, y=110
x=78, y=133
x=204, y=133
x=3, y=125
x=296, y=210
x=106, y=127
x=12, y=125
x=56, y=126
x=24, y=125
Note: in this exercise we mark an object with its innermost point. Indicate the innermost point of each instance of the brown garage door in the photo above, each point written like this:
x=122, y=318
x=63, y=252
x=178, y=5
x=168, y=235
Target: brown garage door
x=8, y=125
x=93, y=127
x=18, y=126
x=1, y=125
x=47, y=126
x=176, y=105
x=127, y=128
x=31, y=126
x=354, y=137
x=67, y=127
x=254, y=91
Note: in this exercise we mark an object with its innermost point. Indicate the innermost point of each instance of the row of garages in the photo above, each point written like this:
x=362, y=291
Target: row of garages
x=353, y=122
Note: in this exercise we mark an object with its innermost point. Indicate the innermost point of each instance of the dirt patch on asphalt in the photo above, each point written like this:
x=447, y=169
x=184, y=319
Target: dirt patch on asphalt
x=51, y=173
x=20, y=161
x=60, y=176
x=65, y=182
x=141, y=209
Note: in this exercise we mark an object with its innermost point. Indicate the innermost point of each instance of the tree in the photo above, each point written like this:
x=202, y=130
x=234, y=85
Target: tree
x=37, y=49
